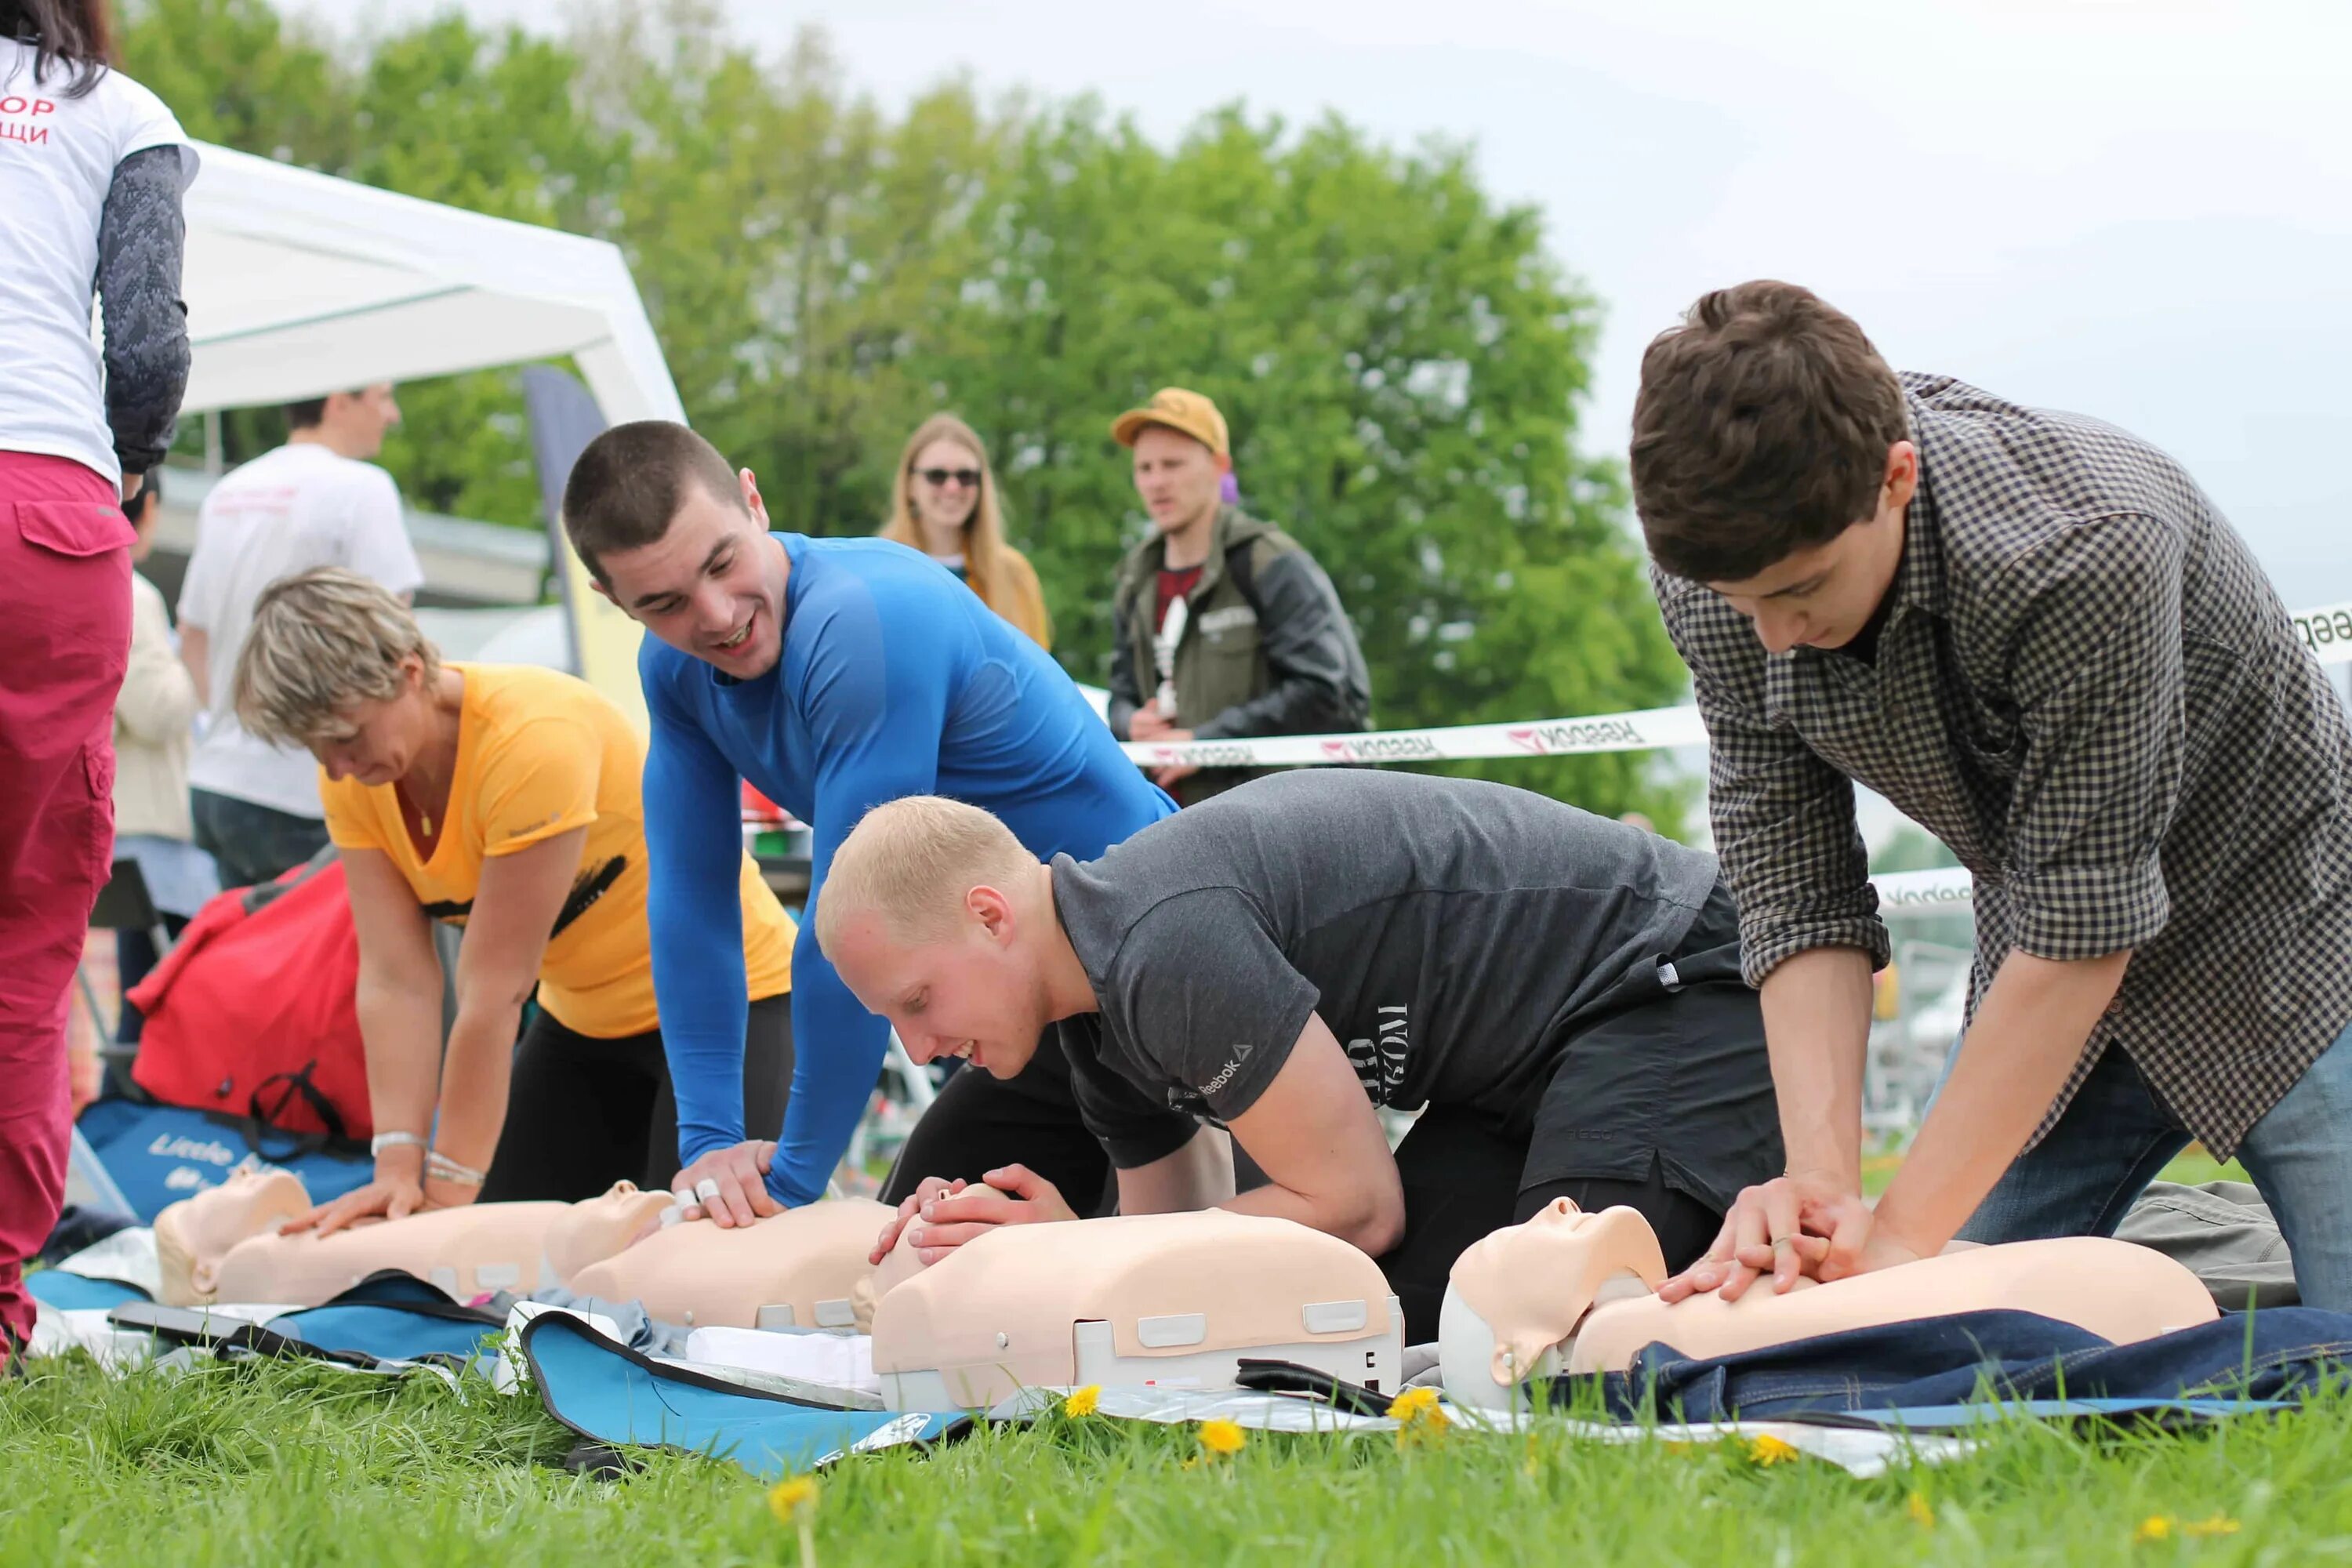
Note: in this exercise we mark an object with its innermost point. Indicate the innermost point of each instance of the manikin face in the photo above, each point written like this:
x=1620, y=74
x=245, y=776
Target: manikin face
x=249, y=1204
x=1824, y=596
x=945, y=506
x=1178, y=478
x=378, y=740
x=712, y=585
x=976, y=994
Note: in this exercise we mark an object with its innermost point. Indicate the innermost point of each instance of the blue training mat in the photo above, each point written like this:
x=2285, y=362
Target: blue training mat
x=395, y=1317
x=70, y=1293
x=612, y=1395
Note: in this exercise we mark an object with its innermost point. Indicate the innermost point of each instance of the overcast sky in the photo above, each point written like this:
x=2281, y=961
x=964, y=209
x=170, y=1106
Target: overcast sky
x=2140, y=209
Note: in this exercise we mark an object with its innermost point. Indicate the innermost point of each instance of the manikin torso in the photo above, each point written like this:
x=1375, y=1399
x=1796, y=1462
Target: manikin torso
x=1574, y=1292
x=224, y=1245
x=793, y=1270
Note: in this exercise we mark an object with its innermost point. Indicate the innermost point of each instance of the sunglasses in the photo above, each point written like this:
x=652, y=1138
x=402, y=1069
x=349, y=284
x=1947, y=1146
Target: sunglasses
x=938, y=478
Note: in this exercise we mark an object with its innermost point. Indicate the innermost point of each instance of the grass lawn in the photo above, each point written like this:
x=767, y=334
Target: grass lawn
x=277, y=1464
x=266, y=1464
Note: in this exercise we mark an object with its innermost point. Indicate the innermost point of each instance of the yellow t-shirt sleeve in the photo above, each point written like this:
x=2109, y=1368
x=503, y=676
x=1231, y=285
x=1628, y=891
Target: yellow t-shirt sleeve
x=351, y=814
x=536, y=782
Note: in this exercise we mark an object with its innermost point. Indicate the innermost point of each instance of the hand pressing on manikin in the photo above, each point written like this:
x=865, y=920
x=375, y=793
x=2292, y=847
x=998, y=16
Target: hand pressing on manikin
x=741, y=1172
x=940, y=1215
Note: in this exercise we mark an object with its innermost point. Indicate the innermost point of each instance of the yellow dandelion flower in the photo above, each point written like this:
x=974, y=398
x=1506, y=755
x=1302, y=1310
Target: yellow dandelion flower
x=792, y=1497
x=1413, y=1402
x=1922, y=1511
x=1083, y=1401
x=2219, y=1524
x=1222, y=1438
x=1769, y=1450
x=2155, y=1527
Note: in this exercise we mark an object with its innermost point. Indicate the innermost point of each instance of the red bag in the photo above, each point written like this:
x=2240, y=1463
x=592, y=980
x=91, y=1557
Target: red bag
x=253, y=1012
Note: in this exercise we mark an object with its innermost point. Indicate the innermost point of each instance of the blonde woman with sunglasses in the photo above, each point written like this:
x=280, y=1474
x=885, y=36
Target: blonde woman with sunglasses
x=944, y=504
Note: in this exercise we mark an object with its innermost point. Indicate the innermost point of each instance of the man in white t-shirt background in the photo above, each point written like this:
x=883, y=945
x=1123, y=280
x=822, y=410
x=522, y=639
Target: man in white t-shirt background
x=315, y=501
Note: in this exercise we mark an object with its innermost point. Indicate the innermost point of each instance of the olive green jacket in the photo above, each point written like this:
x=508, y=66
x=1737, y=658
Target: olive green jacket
x=1267, y=648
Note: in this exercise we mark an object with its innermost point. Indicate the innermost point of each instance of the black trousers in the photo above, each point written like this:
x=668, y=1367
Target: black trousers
x=582, y=1113
x=252, y=844
x=1661, y=1100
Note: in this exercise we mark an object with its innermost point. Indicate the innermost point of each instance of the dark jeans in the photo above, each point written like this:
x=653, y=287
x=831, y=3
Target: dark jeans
x=252, y=844
x=2116, y=1135
x=134, y=959
x=1661, y=1100
x=583, y=1113
x=2280, y=1353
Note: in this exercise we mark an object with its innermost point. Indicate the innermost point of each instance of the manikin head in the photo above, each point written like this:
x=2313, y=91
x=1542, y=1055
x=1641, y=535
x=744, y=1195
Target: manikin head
x=1772, y=462
x=680, y=542
x=937, y=918
x=192, y=1235
x=1182, y=454
x=352, y=424
x=336, y=665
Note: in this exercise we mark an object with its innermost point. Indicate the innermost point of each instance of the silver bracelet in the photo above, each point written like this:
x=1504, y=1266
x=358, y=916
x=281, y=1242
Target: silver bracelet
x=439, y=1167
x=383, y=1141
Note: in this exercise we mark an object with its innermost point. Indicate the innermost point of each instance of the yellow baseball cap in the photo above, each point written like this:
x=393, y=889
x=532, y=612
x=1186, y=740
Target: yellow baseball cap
x=1178, y=409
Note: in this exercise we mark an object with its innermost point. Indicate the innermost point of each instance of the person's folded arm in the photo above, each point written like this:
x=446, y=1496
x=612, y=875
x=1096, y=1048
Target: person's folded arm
x=2095, y=658
x=1319, y=685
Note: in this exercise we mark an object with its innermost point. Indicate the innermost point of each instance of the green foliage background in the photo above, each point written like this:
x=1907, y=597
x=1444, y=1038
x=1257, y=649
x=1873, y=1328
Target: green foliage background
x=1401, y=359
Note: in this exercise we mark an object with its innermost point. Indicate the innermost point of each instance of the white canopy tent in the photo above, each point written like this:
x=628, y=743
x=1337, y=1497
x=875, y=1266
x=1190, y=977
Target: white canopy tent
x=299, y=284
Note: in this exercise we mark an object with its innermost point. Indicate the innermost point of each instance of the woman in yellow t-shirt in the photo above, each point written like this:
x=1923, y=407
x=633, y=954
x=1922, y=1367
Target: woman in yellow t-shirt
x=506, y=800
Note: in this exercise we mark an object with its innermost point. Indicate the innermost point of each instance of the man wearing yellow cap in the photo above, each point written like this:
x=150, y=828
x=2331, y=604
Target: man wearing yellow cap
x=1223, y=626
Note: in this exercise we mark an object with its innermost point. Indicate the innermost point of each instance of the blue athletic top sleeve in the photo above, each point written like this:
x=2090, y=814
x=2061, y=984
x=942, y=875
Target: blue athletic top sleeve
x=895, y=681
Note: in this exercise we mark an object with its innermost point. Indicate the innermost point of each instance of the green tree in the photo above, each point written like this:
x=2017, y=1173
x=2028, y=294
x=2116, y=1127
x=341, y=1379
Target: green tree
x=1401, y=358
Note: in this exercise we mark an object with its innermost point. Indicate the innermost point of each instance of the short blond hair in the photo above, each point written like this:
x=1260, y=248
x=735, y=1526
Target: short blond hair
x=911, y=861
x=321, y=641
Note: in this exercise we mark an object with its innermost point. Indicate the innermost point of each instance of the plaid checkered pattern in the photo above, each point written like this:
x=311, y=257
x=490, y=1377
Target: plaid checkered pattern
x=2087, y=688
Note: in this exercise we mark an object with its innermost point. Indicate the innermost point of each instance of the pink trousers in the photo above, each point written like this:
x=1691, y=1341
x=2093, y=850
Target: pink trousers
x=64, y=634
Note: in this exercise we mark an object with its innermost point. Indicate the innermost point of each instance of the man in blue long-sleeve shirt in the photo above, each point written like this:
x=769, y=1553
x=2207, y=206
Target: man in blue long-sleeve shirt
x=834, y=675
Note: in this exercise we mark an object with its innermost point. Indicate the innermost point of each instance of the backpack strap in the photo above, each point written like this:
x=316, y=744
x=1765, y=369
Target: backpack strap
x=1241, y=569
x=296, y=1082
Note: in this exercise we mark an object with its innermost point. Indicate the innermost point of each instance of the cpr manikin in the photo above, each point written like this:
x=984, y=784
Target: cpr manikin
x=791, y=1270
x=224, y=1245
x=1171, y=1300
x=1573, y=1292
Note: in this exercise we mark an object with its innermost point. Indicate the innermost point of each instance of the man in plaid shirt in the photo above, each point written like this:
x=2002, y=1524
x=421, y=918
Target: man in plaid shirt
x=2033, y=633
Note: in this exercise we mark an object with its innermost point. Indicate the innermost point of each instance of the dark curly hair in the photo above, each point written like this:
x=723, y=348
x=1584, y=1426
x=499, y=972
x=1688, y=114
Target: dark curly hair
x=1761, y=429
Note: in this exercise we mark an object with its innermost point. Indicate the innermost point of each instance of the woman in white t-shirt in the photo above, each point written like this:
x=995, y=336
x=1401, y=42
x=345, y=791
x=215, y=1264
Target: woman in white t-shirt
x=92, y=167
